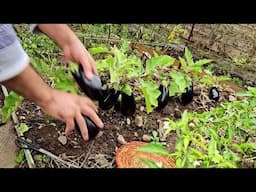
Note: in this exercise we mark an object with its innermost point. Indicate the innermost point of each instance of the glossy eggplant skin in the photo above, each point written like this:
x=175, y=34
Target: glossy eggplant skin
x=187, y=97
x=93, y=130
x=214, y=94
x=127, y=105
x=163, y=98
x=109, y=99
x=92, y=88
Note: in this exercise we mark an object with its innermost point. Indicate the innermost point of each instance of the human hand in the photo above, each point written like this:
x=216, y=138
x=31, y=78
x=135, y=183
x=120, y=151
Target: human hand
x=69, y=107
x=76, y=52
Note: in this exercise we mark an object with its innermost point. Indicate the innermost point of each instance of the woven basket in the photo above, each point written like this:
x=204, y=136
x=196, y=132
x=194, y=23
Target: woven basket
x=128, y=156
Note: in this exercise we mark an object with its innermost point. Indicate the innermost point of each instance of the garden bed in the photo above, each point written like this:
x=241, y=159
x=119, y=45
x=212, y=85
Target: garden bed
x=144, y=125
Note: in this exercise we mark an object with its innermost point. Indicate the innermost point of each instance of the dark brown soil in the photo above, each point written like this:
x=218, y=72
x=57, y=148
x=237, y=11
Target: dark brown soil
x=100, y=152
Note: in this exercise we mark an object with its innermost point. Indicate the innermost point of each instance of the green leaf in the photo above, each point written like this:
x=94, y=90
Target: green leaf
x=201, y=62
x=125, y=46
x=11, y=103
x=212, y=148
x=20, y=157
x=119, y=58
x=198, y=154
x=179, y=83
x=156, y=148
x=151, y=93
x=186, y=143
x=127, y=89
x=151, y=164
x=23, y=128
x=243, y=94
x=104, y=64
x=189, y=57
x=178, y=163
x=135, y=64
x=97, y=50
x=173, y=89
x=159, y=61
x=183, y=63
x=64, y=82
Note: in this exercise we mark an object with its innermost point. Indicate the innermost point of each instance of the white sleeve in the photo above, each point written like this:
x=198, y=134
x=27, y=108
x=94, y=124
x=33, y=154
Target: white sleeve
x=13, y=58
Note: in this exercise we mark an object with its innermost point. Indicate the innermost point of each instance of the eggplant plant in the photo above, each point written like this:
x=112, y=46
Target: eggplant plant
x=123, y=71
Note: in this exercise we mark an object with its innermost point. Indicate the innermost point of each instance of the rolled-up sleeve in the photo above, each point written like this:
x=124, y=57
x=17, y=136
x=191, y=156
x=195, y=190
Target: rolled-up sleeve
x=13, y=58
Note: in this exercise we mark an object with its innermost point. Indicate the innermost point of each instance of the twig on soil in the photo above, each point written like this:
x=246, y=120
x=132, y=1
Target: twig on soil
x=87, y=155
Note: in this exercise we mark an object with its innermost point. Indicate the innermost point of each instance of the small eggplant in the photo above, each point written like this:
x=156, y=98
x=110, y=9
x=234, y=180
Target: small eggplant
x=214, y=94
x=127, y=105
x=187, y=97
x=109, y=99
x=93, y=130
x=92, y=88
x=164, y=97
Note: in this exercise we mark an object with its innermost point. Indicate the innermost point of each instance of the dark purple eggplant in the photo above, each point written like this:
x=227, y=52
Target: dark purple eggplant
x=92, y=88
x=127, y=105
x=117, y=106
x=214, y=94
x=93, y=130
x=109, y=100
x=163, y=98
x=187, y=97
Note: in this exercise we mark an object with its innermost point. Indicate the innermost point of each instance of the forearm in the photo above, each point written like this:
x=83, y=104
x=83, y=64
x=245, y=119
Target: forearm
x=30, y=85
x=60, y=33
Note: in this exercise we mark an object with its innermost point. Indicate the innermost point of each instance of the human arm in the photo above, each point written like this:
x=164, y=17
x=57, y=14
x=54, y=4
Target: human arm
x=72, y=47
x=58, y=104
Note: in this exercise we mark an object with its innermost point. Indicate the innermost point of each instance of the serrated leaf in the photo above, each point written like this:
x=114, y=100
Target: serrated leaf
x=23, y=128
x=159, y=61
x=183, y=63
x=151, y=93
x=189, y=57
x=156, y=148
x=201, y=62
x=179, y=83
x=135, y=64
